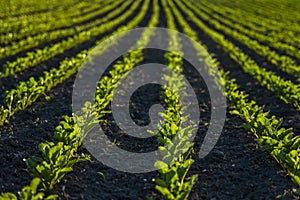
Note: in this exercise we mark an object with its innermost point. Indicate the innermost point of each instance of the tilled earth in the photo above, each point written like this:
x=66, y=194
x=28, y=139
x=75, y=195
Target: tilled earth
x=235, y=169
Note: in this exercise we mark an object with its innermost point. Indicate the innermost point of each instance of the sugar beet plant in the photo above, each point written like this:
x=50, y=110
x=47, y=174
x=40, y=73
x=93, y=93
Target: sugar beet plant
x=59, y=157
x=176, y=147
x=108, y=83
x=28, y=92
x=282, y=143
x=284, y=89
x=78, y=36
x=28, y=193
x=24, y=29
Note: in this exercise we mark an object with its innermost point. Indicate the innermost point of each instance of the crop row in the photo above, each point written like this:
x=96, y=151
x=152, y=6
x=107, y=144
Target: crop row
x=175, y=145
x=285, y=13
x=14, y=8
x=281, y=143
x=277, y=34
x=58, y=157
x=27, y=92
x=40, y=17
x=284, y=89
x=94, y=28
x=285, y=63
x=35, y=41
x=53, y=25
x=265, y=23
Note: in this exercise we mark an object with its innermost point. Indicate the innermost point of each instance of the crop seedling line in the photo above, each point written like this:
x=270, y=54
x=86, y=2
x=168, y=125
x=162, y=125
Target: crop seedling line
x=279, y=142
x=39, y=55
x=173, y=182
x=35, y=41
x=58, y=158
x=28, y=92
x=283, y=62
x=55, y=24
x=281, y=39
x=32, y=33
x=285, y=90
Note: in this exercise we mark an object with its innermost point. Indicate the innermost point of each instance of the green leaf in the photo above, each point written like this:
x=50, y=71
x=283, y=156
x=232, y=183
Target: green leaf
x=8, y=196
x=34, y=184
x=296, y=179
x=165, y=192
x=160, y=165
x=161, y=183
x=51, y=197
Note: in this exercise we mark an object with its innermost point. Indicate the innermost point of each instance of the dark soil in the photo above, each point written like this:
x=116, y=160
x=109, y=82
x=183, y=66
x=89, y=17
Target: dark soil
x=11, y=82
x=235, y=169
x=247, y=83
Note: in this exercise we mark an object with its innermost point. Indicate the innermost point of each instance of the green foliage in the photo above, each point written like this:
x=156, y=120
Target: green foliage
x=173, y=184
x=82, y=34
x=27, y=92
x=4, y=115
x=280, y=142
x=277, y=31
x=50, y=22
x=28, y=193
x=58, y=158
x=286, y=90
x=176, y=146
x=245, y=36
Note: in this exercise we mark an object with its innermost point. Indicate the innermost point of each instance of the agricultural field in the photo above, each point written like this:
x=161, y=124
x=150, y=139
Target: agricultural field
x=251, y=48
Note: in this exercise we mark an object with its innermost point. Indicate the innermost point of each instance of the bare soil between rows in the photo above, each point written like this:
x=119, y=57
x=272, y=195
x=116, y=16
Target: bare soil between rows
x=235, y=169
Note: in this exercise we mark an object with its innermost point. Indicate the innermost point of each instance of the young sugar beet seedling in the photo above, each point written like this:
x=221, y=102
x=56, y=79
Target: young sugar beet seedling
x=58, y=158
x=282, y=144
x=28, y=193
x=284, y=89
x=23, y=96
x=93, y=29
x=175, y=146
